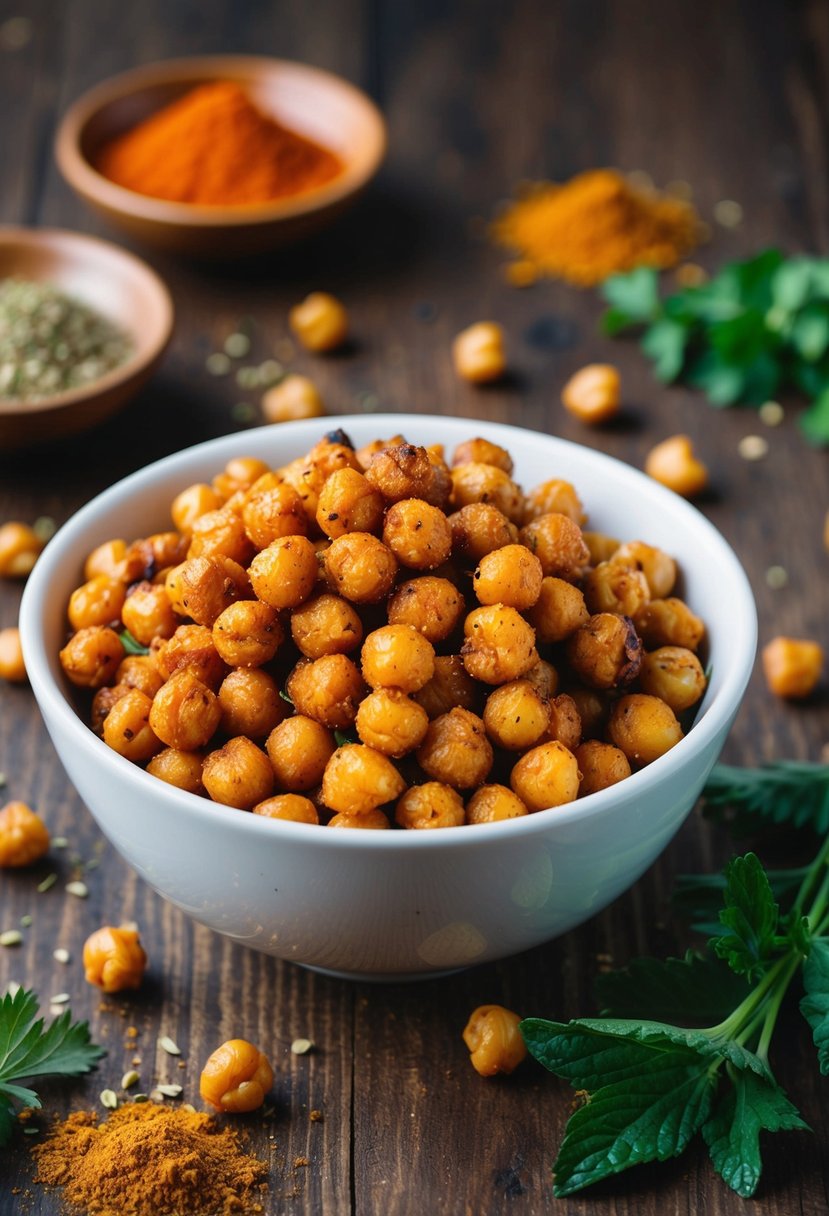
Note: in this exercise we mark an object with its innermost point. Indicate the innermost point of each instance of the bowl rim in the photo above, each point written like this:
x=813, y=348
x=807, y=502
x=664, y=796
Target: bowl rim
x=18, y=236
x=82, y=176
x=710, y=721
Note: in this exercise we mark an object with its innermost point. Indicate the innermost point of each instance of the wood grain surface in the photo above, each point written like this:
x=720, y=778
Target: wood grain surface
x=732, y=98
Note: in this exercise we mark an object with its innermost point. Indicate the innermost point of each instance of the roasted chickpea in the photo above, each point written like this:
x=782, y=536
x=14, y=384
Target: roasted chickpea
x=148, y=613
x=360, y=567
x=299, y=749
x=140, y=671
x=431, y=805
x=673, y=463
x=397, y=656
x=658, y=567
x=371, y=821
x=554, y=497
x=558, y=612
x=293, y=398
x=546, y=776
x=600, y=546
x=558, y=544
x=114, y=959
x=492, y=803
x=12, y=667
x=144, y=558
x=238, y=774
x=126, y=728
x=250, y=703
x=391, y=722
x=675, y=675
x=334, y=451
x=605, y=652
x=288, y=806
x=792, y=666
x=593, y=393
x=20, y=547
x=450, y=685
x=103, y=702
x=405, y=471
x=185, y=712
x=320, y=322
x=97, y=602
x=239, y=474
x=511, y=575
x=565, y=721
x=494, y=1040
x=91, y=656
x=326, y=624
x=236, y=1077
x=475, y=482
x=272, y=513
x=247, y=634
x=499, y=646
x=482, y=451
x=601, y=765
x=190, y=646
x=455, y=750
x=221, y=533
x=669, y=622
x=328, y=690
x=107, y=559
x=432, y=605
x=284, y=574
x=348, y=502
x=480, y=528
x=419, y=535
x=593, y=708
x=478, y=353
x=357, y=779
x=24, y=837
x=366, y=453
x=182, y=769
x=516, y=715
x=191, y=504
x=615, y=587
x=643, y=727
x=202, y=587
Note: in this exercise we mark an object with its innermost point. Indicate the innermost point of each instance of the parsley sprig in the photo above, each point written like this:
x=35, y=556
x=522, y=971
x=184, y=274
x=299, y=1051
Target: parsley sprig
x=682, y=1046
x=28, y=1050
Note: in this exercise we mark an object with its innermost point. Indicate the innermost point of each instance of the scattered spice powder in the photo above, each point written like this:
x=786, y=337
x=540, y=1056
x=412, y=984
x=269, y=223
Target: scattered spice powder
x=593, y=226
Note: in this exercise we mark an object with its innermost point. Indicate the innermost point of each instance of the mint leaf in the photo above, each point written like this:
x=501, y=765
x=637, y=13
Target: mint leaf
x=815, y=1004
x=791, y=284
x=814, y=423
x=634, y=296
x=693, y=988
x=750, y=914
x=789, y=791
x=665, y=344
x=722, y=382
x=131, y=644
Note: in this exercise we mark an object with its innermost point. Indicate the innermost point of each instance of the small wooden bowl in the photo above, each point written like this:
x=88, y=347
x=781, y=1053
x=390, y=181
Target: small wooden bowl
x=314, y=103
x=119, y=287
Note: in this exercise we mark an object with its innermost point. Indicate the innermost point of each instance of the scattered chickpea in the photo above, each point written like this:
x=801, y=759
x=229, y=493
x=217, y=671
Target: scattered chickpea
x=293, y=398
x=12, y=667
x=593, y=393
x=478, y=353
x=792, y=666
x=674, y=464
x=236, y=1077
x=24, y=837
x=320, y=322
x=494, y=1040
x=20, y=547
x=114, y=958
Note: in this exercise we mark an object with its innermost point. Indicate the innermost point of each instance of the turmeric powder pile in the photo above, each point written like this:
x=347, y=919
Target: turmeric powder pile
x=594, y=226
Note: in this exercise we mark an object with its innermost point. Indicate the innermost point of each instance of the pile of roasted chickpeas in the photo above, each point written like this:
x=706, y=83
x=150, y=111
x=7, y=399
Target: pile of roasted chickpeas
x=380, y=638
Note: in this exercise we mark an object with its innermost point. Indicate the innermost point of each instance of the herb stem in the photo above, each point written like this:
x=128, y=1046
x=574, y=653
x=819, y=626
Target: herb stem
x=736, y=1021
x=775, y=1001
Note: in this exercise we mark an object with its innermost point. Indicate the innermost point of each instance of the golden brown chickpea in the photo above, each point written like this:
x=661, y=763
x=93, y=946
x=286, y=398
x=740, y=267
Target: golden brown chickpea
x=615, y=587
x=475, y=482
x=673, y=463
x=292, y=398
x=593, y=709
x=554, y=497
x=284, y=574
x=558, y=612
x=127, y=728
x=669, y=622
x=397, y=656
x=221, y=533
x=357, y=779
x=419, y=535
x=250, y=703
x=432, y=605
x=511, y=575
x=494, y=1040
x=558, y=544
x=451, y=685
x=333, y=452
x=431, y=805
x=97, y=602
x=499, y=646
x=185, y=712
x=492, y=803
x=643, y=727
x=369, y=450
x=455, y=750
x=516, y=715
x=546, y=776
x=239, y=474
x=148, y=613
x=144, y=558
x=190, y=646
x=107, y=559
x=405, y=471
x=114, y=959
x=482, y=451
x=480, y=528
x=360, y=567
x=601, y=765
x=202, y=587
x=328, y=690
x=103, y=702
x=675, y=675
x=247, y=634
x=391, y=722
x=565, y=721
x=371, y=821
x=326, y=624
x=91, y=656
x=191, y=504
x=792, y=666
x=12, y=667
x=20, y=547
x=24, y=837
x=349, y=503
x=593, y=393
x=236, y=1077
x=182, y=769
x=238, y=774
x=307, y=484
x=292, y=807
x=478, y=353
x=600, y=546
x=299, y=749
x=320, y=322
x=656, y=565
x=273, y=513
x=140, y=671
x=605, y=652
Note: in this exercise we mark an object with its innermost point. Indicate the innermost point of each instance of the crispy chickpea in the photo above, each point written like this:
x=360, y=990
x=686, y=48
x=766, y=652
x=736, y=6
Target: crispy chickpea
x=419, y=535
x=499, y=646
x=371, y=821
x=12, y=667
x=494, y=1040
x=450, y=685
x=558, y=612
x=455, y=750
x=546, y=776
x=554, y=497
x=606, y=651
x=658, y=567
x=511, y=575
x=202, y=587
x=432, y=605
x=643, y=727
x=357, y=779
x=673, y=463
x=103, y=702
x=190, y=646
x=238, y=774
x=397, y=656
x=140, y=671
x=238, y=474
x=348, y=502
x=565, y=721
x=558, y=544
x=368, y=451
x=284, y=574
x=616, y=587
x=482, y=451
x=360, y=567
x=600, y=546
x=326, y=624
x=20, y=547
x=236, y=1077
x=674, y=674
x=107, y=559
x=478, y=353
x=293, y=398
x=669, y=622
x=221, y=533
x=24, y=837
x=543, y=677
x=405, y=471
x=272, y=513
x=114, y=959
x=480, y=528
x=334, y=451
x=191, y=504
x=792, y=666
x=320, y=322
x=328, y=690
x=593, y=393
x=148, y=613
x=299, y=749
x=91, y=656
x=593, y=708
x=288, y=806
x=492, y=803
x=144, y=558
x=250, y=703
x=127, y=727
x=182, y=769
x=476, y=482
x=391, y=722
x=601, y=765
x=185, y=712
x=431, y=805
x=516, y=715
x=97, y=602
x=247, y=634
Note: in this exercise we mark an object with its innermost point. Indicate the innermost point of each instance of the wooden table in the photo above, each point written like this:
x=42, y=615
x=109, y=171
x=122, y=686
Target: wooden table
x=731, y=98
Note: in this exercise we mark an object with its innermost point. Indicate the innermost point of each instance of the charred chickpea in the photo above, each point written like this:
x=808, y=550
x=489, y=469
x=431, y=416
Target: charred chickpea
x=482, y=451
x=20, y=547
x=476, y=482
x=107, y=559
x=24, y=837
x=293, y=398
x=349, y=503
x=371, y=821
x=191, y=504
x=284, y=574
x=558, y=544
x=792, y=666
x=675, y=675
x=499, y=646
x=202, y=587
x=326, y=624
x=450, y=685
x=139, y=671
x=320, y=322
x=616, y=587
x=250, y=703
x=97, y=602
x=358, y=779
x=559, y=610
x=391, y=722
x=455, y=750
x=238, y=474
x=185, y=712
x=546, y=776
x=669, y=622
x=334, y=451
x=360, y=567
x=516, y=715
x=419, y=535
x=431, y=805
x=600, y=546
x=397, y=656
x=238, y=774
x=605, y=652
x=288, y=806
x=478, y=353
x=554, y=497
x=405, y=471
x=601, y=765
x=247, y=634
x=144, y=558
x=12, y=667
x=643, y=727
x=366, y=454
x=479, y=528
x=593, y=708
x=329, y=690
x=511, y=575
x=114, y=959
x=127, y=727
x=674, y=464
x=431, y=605
x=494, y=1040
x=236, y=1077
x=273, y=513
x=543, y=677
x=148, y=613
x=565, y=721
x=182, y=769
x=658, y=567
x=593, y=393
x=190, y=646
x=492, y=803
x=221, y=533
x=299, y=749
x=91, y=656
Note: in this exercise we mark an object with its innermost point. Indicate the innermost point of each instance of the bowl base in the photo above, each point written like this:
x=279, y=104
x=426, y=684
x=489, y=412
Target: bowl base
x=382, y=977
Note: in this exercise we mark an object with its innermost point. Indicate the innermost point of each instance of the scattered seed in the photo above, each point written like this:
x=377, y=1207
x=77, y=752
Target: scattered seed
x=93, y=863
x=62, y=998
x=188, y=1107
x=728, y=214
x=316, y=1116
x=61, y=955
x=12, y=937
x=31, y=1131
x=79, y=889
x=776, y=577
x=270, y=371
x=109, y=1099
x=139, y=1097
x=217, y=364
x=47, y=883
x=237, y=345
x=247, y=377
x=301, y=1047
x=753, y=447
x=771, y=413
x=243, y=411
x=25, y=921
x=129, y=1079
x=170, y=1091
x=181, y=1064
x=156, y=1096
x=59, y=842
x=169, y=1045
x=136, y=1060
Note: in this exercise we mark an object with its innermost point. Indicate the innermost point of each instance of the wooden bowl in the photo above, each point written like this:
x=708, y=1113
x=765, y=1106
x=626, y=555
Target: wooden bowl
x=316, y=104
x=119, y=287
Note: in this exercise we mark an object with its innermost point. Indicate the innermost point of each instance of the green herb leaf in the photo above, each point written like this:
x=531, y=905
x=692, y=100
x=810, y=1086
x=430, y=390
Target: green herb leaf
x=693, y=988
x=751, y=915
x=814, y=423
x=131, y=644
x=342, y=739
x=791, y=284
x=665, y=344
x=810, y=333
x=633, y=296
x=793, y=792
x=815, y=1004
x=285, y=696
x=698, y=897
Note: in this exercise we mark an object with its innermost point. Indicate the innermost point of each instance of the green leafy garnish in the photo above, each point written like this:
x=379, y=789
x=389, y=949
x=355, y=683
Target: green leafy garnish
x=131, y=644
x=793, y=792
x=27, y=1050
x=285, y=696
x=341, y=738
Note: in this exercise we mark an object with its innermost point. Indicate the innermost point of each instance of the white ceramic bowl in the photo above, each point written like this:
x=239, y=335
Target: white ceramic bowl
x=395, y=905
